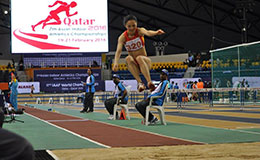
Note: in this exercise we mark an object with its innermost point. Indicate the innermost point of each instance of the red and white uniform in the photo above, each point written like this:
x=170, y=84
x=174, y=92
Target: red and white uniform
x=135, y=43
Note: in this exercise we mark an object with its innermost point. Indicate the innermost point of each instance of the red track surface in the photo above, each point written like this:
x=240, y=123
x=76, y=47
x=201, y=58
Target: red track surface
x=104, y=133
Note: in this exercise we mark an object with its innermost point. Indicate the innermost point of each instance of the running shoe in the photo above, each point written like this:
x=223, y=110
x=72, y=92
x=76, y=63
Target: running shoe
x=154, y=120
x=141, y=87
x=151, y=86
x=110, y=117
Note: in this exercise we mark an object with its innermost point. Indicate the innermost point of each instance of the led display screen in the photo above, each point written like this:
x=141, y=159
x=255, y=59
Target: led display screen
x=54, y=26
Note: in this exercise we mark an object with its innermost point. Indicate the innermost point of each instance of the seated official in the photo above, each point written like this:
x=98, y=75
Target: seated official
x=120, y=91
x=159, y=91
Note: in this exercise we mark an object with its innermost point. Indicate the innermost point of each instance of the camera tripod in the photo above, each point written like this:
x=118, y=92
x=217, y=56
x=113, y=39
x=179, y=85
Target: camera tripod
x=13, y=119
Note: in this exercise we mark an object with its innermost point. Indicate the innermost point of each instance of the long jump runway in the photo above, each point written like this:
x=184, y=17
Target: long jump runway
x=66, y=128
x=105, y=134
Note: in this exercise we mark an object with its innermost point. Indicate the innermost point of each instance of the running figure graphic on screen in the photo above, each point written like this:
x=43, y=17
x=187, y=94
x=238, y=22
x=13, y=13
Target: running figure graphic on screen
x=54, y=14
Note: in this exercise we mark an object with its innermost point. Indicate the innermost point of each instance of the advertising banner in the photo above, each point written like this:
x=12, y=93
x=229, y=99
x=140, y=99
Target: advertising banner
x=68, y=87
x=65, y=75
x=25, y=87
x=69, y=80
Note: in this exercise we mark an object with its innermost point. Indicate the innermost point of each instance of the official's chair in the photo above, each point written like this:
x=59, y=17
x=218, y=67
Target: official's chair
x=160, y=109
x=124, y=106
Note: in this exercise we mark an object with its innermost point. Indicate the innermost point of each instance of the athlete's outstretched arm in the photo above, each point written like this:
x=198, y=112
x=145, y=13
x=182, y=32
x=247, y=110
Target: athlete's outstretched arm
x=119, y=48
x=60, y=2
x=151, y=33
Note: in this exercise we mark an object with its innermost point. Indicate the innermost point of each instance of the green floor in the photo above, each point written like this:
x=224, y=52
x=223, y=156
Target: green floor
x=45, y=136
x=55, y=138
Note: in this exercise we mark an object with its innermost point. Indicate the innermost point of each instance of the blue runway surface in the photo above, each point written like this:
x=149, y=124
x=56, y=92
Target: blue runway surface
x=215, y=117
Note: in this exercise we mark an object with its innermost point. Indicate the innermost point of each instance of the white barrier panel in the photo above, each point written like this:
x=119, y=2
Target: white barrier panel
x=38, y=101
x=74, y=99
x=96, y=99
x=25, y=87
x=51, y=101
x=61, y=100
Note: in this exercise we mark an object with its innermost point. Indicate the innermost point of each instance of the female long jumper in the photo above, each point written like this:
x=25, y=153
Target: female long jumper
x=137, y=60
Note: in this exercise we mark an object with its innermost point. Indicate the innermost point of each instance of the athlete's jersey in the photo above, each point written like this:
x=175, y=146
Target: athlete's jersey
x=135, y=43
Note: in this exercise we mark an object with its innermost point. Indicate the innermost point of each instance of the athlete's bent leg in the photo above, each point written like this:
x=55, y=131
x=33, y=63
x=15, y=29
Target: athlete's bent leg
x=145, y=66
x=134, y=69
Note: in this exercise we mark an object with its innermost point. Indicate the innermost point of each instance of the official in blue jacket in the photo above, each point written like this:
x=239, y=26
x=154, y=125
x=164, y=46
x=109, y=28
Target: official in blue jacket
x=159, y=91
x=13, y=91
x=120, y=91
x=90, y=90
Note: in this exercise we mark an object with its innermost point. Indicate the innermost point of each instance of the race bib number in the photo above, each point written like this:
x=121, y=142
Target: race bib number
x=134, y=44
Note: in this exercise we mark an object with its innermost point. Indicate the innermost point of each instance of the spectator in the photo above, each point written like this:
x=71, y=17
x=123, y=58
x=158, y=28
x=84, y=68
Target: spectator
x=21, y=67
x=229, y=85
x=200, y=85
x=190, y=60
x=176, y=86
x=13, y=62
x=172, y=95
x=9, y=66
x=198, y=57
x=95, y=64
x=171, y=85
x=186, y=62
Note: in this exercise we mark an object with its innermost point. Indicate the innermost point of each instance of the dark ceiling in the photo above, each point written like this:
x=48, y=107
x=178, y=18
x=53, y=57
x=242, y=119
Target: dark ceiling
x=190, y=25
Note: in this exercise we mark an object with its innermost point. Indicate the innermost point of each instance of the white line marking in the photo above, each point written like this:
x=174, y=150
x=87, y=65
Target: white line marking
x=252, y=132
x=68, y=120
x=106, y=146
x=52, y=154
